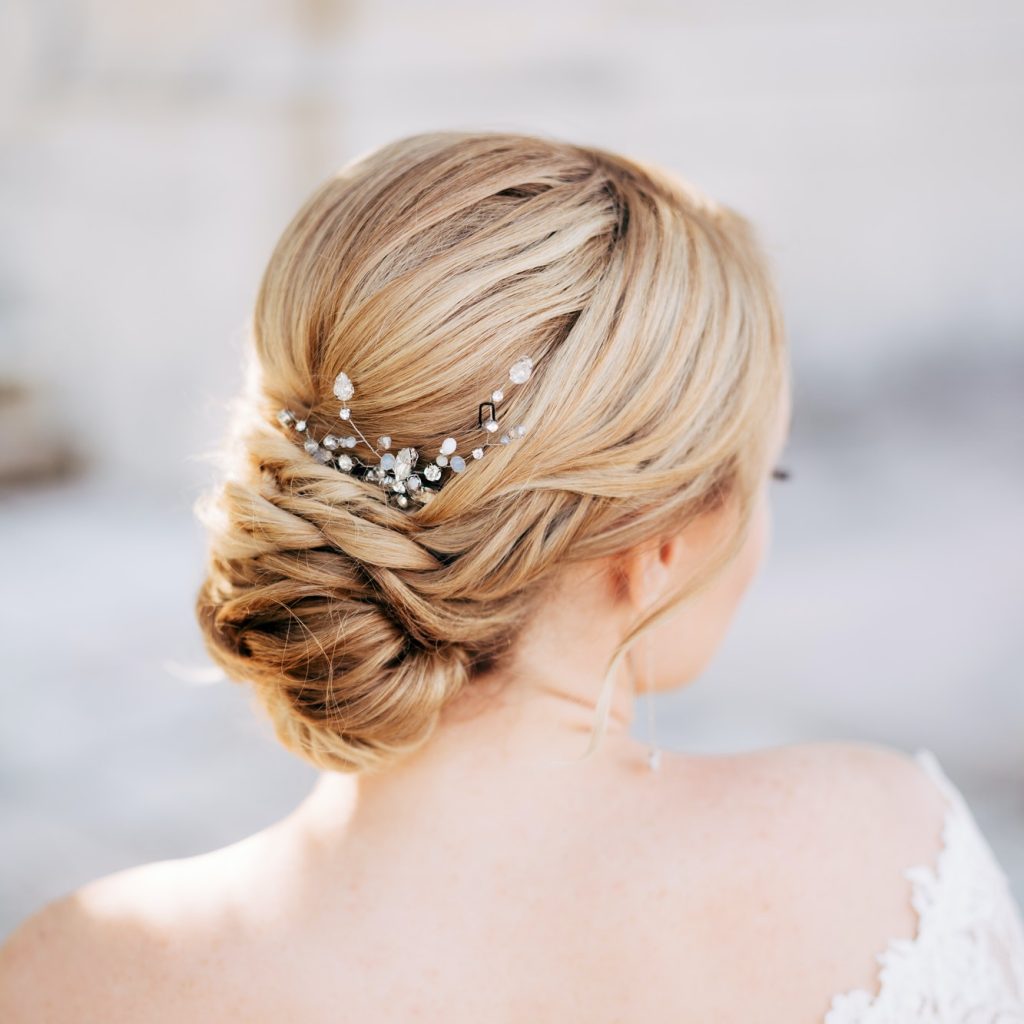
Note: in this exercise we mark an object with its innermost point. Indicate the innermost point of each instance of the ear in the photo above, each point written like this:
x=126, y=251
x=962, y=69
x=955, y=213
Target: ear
x=645, y=572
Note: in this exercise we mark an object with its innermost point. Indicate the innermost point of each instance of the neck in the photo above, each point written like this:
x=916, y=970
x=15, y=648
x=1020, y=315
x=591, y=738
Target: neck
x=503, y=735
x=512, y=734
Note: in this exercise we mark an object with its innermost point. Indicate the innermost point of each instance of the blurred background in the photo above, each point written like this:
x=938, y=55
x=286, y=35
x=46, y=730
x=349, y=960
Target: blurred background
x=153, y=153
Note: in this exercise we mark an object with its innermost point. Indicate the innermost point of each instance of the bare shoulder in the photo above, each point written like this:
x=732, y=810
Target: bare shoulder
x=881, y=793
x=71, y=959
x=853, y=810
x=123, y=947
x=870, y=812
x=809, y=845
x=825, y=794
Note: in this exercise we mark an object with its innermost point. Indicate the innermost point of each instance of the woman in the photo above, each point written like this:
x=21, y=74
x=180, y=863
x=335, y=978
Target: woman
x=502, y=463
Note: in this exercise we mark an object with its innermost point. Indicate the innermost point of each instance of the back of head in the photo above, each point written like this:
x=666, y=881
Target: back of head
x=424, y=270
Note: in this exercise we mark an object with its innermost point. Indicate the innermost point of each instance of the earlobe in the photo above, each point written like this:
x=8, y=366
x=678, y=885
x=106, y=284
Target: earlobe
x=670, y=550
x=657, y=571
x=682, y=552
x=633, y=575
x=673, y=551
x=641, y=576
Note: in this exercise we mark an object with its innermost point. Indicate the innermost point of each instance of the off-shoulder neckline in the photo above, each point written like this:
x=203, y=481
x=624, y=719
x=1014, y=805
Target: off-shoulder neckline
x=927, y=879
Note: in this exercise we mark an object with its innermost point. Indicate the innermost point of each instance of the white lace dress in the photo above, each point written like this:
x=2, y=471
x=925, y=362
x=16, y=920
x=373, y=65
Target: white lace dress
x=966, y=963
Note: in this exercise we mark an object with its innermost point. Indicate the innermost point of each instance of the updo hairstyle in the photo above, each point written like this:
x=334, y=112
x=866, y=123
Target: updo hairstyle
x=424, y=269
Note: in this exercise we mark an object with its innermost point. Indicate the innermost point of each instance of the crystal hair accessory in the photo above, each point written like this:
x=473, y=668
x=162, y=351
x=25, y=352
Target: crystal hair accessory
x=402, y=473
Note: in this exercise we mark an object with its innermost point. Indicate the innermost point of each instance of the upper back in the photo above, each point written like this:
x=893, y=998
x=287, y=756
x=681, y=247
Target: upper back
x=747, y=887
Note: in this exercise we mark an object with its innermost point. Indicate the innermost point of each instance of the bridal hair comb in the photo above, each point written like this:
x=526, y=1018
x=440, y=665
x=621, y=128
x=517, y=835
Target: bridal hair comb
x=401, y=473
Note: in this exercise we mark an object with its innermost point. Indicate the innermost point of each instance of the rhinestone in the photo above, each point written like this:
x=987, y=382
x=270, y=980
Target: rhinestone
x=349, y=442
x=300, y=425
x=384, y=441
x=311, y=446
x=345, y=462
x=408, y=456
x=448, y=446
x=343, y=387
x=344, y=412
x=387, y=461
x=370, y=474
x=402, y=469
x=520, y=430
x=490, y=425
x=520, y=371
x=414, y=483
x=331, y=442
x=442, y=460
x=398, y=487
x=403, y=500
x=432, y=471
x=478, y=453
x=286, y=417
x=321, y=456
x=504, y=439
x=497, y=396
x=458, y=463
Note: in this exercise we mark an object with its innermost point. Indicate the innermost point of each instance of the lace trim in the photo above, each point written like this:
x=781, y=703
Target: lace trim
x=965, y=965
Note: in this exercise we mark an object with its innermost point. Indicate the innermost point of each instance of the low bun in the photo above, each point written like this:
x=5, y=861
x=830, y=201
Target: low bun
x=312, y=596
x=422, y=270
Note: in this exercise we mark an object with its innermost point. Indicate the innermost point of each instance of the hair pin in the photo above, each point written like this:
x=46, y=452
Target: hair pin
x=401, y=473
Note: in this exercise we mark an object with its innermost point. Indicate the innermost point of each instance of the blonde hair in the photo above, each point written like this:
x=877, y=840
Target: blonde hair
x=424, y=269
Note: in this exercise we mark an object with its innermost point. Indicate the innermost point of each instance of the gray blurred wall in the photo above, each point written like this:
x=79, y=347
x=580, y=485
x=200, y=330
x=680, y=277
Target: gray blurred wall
x=152, y=154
